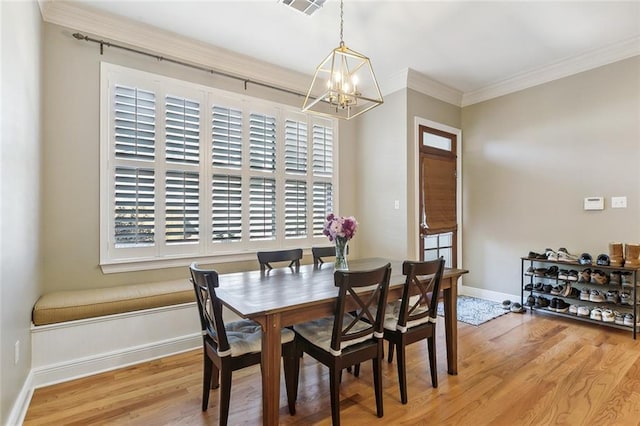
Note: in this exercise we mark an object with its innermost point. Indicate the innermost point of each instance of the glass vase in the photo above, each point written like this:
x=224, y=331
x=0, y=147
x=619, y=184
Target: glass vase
x=341, y=254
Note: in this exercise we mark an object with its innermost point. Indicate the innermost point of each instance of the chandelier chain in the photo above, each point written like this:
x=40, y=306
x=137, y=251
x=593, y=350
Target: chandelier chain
x=341, y=20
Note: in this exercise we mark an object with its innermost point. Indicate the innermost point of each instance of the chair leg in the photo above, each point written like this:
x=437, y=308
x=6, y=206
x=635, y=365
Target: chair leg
x=356, y=370
x=291, y=360
x=206, y=381
x=225, y=395
x=390, y=352
x=402, y=371
x=377, y=382
x=431, y=344
x=334, y=384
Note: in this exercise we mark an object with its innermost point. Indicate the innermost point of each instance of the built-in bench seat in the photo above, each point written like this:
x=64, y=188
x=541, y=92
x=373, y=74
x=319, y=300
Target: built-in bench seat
x=62, y=306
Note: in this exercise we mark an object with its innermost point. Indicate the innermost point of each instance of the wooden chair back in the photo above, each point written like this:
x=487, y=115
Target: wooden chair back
x=363, y=293
x=205, y=282
x=293, y=256
x=320, y=252
x=420, y=294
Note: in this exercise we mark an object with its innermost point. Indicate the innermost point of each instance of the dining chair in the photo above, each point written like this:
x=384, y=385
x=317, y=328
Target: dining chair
x=345, y=339
x=293, y=256
x=413, y=318
x=232, y=346
x=320, y=252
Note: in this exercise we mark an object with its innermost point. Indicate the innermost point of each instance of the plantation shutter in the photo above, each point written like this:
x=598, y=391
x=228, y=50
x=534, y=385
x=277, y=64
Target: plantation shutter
x=295, y=147
x=262, y=142
x=226, y=129
x=322, y=151
x=295, y=208
x=134, y=185
x=226, y=208
x=322, y=205
x=262, y=208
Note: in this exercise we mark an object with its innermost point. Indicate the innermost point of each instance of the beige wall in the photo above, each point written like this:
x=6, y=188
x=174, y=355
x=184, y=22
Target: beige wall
x=71, y=147
x=531, y=157
x=20, y=166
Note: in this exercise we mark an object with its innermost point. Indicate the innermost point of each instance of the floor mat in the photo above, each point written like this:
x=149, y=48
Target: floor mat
x=474, y=311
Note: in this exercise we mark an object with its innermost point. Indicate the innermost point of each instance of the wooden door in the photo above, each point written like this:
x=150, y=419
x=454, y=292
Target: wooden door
x=438, y=190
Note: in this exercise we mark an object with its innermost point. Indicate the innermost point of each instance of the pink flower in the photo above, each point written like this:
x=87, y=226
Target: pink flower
x=340, y=227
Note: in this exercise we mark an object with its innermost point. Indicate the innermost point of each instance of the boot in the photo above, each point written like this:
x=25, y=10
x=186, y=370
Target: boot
x=616, y=256
x=632, y=254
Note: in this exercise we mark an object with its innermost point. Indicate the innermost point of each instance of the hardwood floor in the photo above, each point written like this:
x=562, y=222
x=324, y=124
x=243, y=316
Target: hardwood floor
x=516, y=369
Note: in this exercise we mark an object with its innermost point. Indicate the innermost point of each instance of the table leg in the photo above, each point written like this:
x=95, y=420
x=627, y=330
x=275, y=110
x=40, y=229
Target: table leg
x=450, y=296
x=271, y=353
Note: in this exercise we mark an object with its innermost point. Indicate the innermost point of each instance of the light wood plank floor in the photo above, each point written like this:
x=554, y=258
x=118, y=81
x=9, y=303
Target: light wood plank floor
x=516, y=369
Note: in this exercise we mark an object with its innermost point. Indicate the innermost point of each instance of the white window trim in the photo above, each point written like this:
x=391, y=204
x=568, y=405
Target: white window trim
x=209, y=252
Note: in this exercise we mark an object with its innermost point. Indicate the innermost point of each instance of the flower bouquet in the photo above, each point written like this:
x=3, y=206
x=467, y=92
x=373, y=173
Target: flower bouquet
x=340, y=229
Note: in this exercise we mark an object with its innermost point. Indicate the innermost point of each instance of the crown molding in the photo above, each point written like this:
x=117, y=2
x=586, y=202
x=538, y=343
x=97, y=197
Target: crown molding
x=433, y=88
x=146, y=37
x=564, y=68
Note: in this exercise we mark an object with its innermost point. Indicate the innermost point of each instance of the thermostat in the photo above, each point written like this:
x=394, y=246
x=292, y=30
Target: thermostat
x=594, y=203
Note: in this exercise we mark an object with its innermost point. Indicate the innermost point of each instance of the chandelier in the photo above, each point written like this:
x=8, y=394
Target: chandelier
x=344, y=85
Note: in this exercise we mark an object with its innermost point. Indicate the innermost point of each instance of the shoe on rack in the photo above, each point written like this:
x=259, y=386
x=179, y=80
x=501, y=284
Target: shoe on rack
x=585, y=259
x=565, y=256
x=552, y=272
x=557, y=290
x=567, y=290
x=531, y=301
x=619, y=318
x=573, y=309
x=540, y=272
x=613, y=296
x=541, y=302
x=563, y=274
x=625, y=298
x=596, y=314
x=626, y=278
x=599, y=277
x=632, y=254
x=547, y=288
x=528, y=287
x=584, y=311
x=553, y=305
x=575, y=293
x=538, y=287
x=585, y=293
x=608, y=316
x=585, y=276
x=530, y=270
x=573, y=275
x=628, y=320
x=562, y=306
x=552, y=255
x=615, y=278
x=596, y=296
x=603, y=260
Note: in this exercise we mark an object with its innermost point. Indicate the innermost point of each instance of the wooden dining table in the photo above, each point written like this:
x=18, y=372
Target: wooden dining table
x=285, y=296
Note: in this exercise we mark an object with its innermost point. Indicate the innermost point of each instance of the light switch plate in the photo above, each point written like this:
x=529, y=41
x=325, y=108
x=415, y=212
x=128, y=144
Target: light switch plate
x=619, y=202
x=594, y=203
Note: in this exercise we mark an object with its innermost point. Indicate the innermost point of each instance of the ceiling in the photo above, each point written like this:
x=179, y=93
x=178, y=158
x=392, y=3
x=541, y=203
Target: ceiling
x=466, y=46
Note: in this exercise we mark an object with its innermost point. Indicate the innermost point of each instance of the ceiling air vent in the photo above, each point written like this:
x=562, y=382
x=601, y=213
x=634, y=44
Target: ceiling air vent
x=305, y=6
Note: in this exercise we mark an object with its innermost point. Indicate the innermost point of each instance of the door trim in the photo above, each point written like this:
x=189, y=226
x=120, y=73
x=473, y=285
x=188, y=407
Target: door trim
x=414, y=177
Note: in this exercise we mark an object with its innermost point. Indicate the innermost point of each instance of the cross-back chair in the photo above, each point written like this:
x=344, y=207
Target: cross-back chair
x=320, y=252
x=293, y=256
x=353, y=335
x=231, y=346
x=413, y=318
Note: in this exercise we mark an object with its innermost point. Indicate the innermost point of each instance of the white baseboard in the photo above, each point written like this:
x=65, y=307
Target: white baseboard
x=487, y=294
x=19, y=410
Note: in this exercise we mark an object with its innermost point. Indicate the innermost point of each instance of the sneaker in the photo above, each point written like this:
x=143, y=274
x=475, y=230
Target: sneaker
x=567, y=290
x=563, y=274
x=599, y=277
x=628, y=320
x=553, y=305
x=537, y=287
x=540, y=272
x=625, y=298
x=557, y=290
x=584, y=311
x=506, y=304
x=562, y=306
x=530, y=271
x=584, y=294
x=573, y=309
x=572, y=275
x=575, y=293
x=608, y=316
x=552, y=255
x=612, y=296
x=541, y=302
x=517, y=308
x=528, y=287
x=619, y=318
x=565, y=256
x=596, y=314
x=615, y=278
x=552, y=272
x=596, y=296
x=547, y=288
x=585, y=276
x=530, y=301
x=627, y=278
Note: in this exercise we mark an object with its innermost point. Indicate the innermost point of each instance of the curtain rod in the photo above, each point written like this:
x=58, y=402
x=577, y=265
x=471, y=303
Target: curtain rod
x=246, y=81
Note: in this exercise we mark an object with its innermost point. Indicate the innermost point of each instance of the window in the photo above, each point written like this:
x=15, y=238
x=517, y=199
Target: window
x=190, y=171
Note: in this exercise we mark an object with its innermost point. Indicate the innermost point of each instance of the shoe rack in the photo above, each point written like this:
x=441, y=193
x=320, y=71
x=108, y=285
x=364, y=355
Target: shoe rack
x=538, y=275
